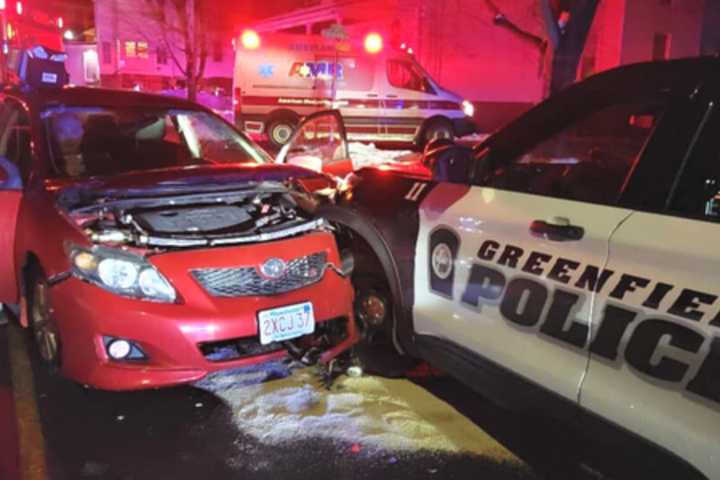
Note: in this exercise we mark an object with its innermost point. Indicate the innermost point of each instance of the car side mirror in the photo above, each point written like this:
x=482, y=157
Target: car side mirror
x=9, y=175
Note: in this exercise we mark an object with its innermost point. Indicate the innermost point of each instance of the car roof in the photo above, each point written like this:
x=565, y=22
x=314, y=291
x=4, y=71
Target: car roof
x=677, y=76
x=100, y=97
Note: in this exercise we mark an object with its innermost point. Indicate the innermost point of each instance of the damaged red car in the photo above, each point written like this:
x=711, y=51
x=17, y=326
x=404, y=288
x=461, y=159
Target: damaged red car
x=148, y=243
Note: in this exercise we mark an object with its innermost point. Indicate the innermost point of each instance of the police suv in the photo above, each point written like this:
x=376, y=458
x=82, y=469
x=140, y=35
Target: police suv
x=568, y=264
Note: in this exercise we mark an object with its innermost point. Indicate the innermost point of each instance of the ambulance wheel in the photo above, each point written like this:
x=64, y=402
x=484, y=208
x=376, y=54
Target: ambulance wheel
x=438, y=128
x=279, y=131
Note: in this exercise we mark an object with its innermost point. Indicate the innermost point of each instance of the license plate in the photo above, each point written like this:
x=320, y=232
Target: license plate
x=284, y=323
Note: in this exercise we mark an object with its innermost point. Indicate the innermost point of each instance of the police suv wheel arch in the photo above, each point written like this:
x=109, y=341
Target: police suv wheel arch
x=402, y=324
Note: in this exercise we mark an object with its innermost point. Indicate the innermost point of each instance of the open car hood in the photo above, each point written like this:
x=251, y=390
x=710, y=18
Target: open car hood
x=201, y=179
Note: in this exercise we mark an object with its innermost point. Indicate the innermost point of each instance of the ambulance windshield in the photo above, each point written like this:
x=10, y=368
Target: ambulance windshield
x=92, y=141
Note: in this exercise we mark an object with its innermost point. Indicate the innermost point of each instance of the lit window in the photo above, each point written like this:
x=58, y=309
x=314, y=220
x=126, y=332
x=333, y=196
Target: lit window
x=91, y=67
x=130, y=51
x=141, y=48
x=136, y=50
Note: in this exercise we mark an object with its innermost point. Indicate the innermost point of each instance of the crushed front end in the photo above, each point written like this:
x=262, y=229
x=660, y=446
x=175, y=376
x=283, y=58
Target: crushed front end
x=172, y=286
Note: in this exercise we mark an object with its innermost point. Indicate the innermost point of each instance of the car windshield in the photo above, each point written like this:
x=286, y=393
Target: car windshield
x=88, y=141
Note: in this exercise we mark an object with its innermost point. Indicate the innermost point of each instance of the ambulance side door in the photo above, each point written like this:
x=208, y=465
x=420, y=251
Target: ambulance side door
x=356, y=96
x=655, y=360
x=507, y=269
x=406, y=95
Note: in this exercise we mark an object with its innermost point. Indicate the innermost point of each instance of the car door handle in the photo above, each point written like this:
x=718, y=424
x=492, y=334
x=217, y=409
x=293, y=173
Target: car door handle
x=557, y=229
x=372, y=95
x=391, y=96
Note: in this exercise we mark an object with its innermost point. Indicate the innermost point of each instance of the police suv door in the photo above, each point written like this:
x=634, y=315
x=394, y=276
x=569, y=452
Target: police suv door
x=655, y=367
x=507, y=266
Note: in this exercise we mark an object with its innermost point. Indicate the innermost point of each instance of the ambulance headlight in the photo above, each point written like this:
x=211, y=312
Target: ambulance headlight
x=468, y=108
x=121, y=273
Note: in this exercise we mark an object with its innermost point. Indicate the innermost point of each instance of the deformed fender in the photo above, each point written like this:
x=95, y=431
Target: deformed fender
x=403, y=332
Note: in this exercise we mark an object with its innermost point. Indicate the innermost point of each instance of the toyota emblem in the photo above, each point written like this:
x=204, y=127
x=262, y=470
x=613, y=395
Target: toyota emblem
x=273, y=268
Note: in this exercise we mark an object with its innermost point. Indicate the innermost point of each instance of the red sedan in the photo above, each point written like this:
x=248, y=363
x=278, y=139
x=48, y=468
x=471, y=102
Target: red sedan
x=149, y=243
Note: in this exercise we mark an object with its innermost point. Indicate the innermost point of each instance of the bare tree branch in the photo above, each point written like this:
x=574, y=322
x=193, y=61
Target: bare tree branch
x=502, y=20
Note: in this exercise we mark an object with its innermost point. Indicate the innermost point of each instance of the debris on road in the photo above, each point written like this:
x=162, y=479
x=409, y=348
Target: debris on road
x=376, y=413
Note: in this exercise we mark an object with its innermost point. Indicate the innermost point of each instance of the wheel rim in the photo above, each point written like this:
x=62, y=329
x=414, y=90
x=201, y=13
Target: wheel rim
x=46, y=338
x=281, y=133
x=372, y=310
x=438, y=133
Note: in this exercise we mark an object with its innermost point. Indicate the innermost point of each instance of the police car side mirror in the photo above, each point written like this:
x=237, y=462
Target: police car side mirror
x=9, y=175
x=450, y=164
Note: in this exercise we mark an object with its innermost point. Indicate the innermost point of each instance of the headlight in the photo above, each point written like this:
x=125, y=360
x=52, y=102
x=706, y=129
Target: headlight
x=122, y=273
x=468, y=108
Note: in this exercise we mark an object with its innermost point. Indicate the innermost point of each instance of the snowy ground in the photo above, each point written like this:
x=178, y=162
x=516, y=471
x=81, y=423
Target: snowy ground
x=372, y=413
x=367, y=154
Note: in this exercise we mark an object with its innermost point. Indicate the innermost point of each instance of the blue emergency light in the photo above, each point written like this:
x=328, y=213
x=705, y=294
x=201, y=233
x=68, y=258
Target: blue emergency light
x=40, y=67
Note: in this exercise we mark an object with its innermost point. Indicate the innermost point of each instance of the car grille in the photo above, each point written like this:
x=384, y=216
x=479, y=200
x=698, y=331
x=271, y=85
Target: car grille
x=248, y=281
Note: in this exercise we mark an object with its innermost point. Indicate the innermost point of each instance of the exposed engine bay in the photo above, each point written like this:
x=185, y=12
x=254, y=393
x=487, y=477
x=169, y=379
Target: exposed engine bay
x=267, y=211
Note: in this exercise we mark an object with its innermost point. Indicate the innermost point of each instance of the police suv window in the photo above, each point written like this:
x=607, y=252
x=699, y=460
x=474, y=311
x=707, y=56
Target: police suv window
x=587, y=160
x=696, y=193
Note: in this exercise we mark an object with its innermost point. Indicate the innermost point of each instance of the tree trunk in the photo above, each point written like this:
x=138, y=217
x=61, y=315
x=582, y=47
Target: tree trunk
x=191, y=51
x=569, y=50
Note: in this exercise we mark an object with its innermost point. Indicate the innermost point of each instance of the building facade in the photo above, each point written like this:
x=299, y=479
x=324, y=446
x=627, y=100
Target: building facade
x=139, y=47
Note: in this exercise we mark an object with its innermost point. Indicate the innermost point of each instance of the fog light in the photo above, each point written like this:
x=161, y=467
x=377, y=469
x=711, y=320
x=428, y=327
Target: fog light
x=119, y=349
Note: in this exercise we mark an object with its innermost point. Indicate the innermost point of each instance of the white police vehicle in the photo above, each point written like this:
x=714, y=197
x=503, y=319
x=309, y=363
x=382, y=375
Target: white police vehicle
x=569, y=264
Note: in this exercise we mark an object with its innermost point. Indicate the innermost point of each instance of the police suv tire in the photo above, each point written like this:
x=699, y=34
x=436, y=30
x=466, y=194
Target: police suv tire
x=280, y=130
x=438, y=128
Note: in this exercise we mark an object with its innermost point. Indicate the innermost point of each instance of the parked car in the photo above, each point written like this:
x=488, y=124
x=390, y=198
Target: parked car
x=149, y=243
x=568, y=265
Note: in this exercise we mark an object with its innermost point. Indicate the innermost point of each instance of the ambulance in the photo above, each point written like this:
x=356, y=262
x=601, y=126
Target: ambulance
x=383, y=93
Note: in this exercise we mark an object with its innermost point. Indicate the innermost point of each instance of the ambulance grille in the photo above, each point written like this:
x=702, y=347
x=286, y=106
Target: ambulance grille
x=249, y=282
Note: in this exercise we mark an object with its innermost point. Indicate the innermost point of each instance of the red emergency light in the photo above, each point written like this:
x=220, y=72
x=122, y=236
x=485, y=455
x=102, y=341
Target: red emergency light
x=19, y=8
x=373, y=42
x=60, y=23
x=250, y=39
x=2, y=5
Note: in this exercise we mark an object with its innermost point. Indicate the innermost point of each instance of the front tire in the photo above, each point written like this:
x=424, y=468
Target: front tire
x=44, y=328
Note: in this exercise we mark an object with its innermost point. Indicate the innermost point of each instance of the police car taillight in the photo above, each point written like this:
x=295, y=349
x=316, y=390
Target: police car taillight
x=40, y=67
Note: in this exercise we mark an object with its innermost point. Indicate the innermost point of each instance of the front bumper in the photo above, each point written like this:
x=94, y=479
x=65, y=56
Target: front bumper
x=173, y=335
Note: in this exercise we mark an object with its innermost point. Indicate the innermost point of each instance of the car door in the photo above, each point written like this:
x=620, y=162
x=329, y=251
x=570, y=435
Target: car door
x=509, y=263
x=656, y=353
x=319, y=144
x=14, y=130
